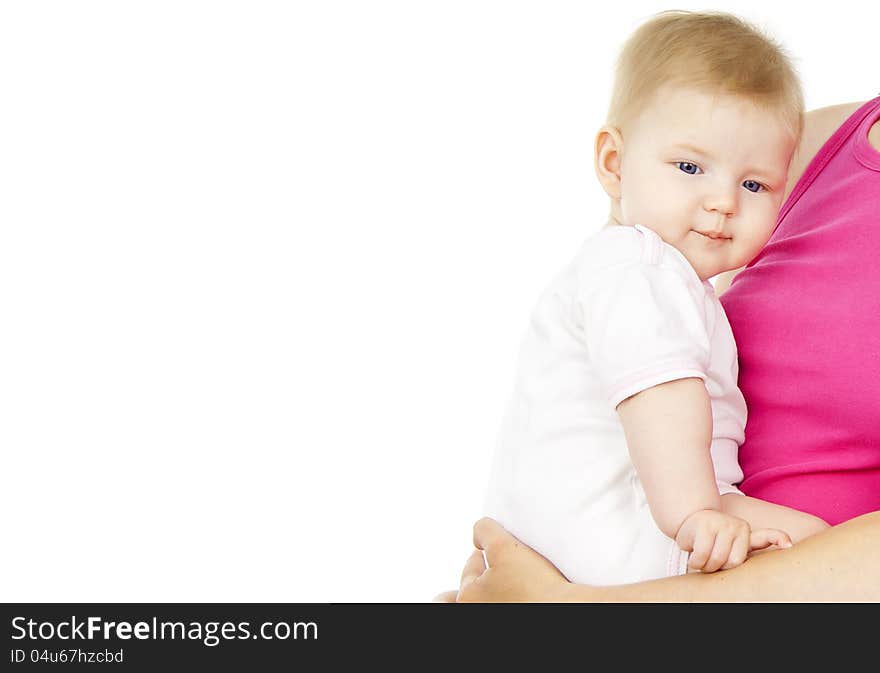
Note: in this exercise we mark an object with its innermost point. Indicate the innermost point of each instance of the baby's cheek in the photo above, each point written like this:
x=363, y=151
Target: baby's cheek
x=743, y=254
x=642, y=204
x=759, y=237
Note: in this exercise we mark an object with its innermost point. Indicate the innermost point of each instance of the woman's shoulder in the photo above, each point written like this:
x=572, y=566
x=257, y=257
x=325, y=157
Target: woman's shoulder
x=819, y=126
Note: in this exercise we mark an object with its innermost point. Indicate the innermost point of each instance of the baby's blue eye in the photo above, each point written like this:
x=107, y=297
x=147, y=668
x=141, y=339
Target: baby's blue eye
x=753, y=186
x=687, y=167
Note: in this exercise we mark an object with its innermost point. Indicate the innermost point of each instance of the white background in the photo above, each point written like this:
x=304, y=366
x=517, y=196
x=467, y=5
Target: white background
x=265, y=266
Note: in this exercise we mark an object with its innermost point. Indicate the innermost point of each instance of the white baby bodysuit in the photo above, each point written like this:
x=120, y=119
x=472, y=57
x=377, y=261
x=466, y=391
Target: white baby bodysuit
x=627, y=314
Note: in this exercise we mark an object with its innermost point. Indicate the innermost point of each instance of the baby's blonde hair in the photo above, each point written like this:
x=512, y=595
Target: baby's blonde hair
x=713, y=52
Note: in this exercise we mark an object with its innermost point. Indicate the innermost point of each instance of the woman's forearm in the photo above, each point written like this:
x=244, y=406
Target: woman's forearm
x=840, y=564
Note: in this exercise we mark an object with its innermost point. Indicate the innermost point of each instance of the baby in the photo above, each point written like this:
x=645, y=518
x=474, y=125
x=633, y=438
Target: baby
x=617, y=459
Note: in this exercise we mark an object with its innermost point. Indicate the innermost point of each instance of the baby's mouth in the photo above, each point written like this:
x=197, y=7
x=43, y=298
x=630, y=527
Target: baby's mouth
x=712, y=236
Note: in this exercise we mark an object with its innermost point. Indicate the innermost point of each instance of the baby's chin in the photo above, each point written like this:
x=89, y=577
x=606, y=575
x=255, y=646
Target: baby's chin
x=706, y=268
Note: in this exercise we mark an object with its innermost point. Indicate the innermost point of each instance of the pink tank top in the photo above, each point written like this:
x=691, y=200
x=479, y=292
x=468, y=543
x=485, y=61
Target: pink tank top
x=806, y=317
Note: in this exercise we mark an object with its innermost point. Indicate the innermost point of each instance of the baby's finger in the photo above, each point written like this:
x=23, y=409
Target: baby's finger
x=739, y=551
x=720, y=553
x=702, y=550
x=766, y=537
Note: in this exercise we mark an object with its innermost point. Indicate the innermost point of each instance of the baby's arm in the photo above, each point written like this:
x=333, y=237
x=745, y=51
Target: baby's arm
x=668, y=431
x=761, y=514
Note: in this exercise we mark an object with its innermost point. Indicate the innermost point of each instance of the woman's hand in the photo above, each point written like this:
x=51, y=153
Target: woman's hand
x=516, y=573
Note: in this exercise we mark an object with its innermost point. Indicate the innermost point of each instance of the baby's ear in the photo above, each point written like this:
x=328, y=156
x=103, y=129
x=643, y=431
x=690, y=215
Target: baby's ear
x=609, y=145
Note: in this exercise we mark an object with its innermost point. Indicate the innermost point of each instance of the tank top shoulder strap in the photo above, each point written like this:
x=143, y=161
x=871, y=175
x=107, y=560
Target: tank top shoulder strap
x=827, y=152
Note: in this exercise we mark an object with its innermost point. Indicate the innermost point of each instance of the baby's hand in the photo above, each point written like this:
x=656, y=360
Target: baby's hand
x=718, y=541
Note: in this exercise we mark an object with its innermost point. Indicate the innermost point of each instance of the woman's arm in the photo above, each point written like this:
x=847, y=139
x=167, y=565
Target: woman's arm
x=841, y=564
x=819, y=126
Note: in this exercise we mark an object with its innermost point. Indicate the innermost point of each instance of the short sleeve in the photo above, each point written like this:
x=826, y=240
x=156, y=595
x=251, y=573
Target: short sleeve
x=644, y=325
x=727, y=470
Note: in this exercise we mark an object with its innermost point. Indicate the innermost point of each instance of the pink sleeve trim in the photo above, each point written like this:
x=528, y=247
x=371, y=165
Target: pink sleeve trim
x=643, y=380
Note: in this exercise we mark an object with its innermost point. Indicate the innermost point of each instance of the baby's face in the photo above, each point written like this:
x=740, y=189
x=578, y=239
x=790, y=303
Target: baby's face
x=707, y=173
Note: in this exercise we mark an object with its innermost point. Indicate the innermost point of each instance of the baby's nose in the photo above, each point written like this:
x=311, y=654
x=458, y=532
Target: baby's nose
x=722, y=202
